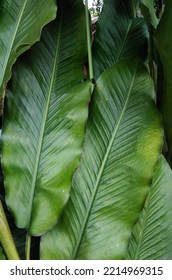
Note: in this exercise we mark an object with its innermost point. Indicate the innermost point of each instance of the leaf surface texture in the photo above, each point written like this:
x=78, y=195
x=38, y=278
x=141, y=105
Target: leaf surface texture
x=21, y=22
x=152, y=235
x=123, y=142
x=44, y=124
x=119, y=37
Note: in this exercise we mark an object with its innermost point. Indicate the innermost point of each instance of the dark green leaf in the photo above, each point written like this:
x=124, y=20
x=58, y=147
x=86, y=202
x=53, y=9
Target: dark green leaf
x=118, y=35
x=2, y=257
x=163, y=40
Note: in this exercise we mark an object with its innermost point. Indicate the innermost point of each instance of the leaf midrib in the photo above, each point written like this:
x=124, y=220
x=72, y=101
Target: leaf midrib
x=124, y=40
x=11, y=45
x=42, y=131
x=101, y=171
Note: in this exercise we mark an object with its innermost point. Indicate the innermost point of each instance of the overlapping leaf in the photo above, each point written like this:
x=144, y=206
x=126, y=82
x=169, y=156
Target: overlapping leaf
x=44, y=122
x=150, y=11
x=152, y=235
x=163, y=41
x=21, y=22
x=122, y=145
x=118, y=35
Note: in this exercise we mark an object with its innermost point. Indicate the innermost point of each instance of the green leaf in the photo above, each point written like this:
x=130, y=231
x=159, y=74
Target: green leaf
x=120, y=37
x=123, y=142
x=21, y=22
x=44, y=122
x=152, y=235
x=150, y=10
x=163, y=40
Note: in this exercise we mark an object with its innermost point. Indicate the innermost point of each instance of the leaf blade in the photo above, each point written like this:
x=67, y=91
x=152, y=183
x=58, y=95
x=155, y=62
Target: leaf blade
x=20, y=27
x=42, y=126
x=101, y=212
x=121, y=37
x=151, y=238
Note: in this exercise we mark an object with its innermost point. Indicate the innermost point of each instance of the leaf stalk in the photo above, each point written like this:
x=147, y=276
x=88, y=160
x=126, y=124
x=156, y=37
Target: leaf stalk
x=28, y=247
x=6, y=238
x=89, y=41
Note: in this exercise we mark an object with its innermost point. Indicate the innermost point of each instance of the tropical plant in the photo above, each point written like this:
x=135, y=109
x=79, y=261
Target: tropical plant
x=86, y=134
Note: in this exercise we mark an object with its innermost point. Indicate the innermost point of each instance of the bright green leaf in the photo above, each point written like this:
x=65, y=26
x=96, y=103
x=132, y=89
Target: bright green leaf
x=163, y=40
x=152, y=235
x=118, y=36
x=21, y=22
x=44, y=123
x=122, y=144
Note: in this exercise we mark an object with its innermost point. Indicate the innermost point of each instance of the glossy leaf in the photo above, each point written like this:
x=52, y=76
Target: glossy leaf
x=44, y=123
x=123, y=142
x=163, y=40
x=21, y=22
x=152, y=235
x=119, y=37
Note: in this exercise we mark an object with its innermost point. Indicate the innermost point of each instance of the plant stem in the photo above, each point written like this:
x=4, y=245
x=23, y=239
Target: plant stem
x=6, y=238
x=89, y=41
x=134, y=12
x=151, y=55
x=28, y=246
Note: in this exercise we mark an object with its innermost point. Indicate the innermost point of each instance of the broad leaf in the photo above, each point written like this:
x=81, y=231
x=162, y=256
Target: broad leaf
x=21, y=22
x=123, y=141
x=44, y=123
x=152, y=235
x=163, y=40
x=119, y=37
x=149, y=5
